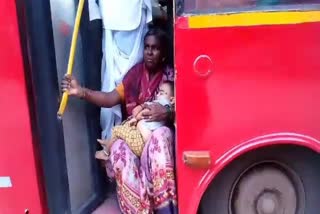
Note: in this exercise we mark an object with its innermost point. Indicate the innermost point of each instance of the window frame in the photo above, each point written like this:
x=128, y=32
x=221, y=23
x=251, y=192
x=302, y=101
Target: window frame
x=180, y=10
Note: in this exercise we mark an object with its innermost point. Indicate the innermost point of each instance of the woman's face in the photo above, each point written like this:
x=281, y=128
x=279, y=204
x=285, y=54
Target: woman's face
x=152, y=53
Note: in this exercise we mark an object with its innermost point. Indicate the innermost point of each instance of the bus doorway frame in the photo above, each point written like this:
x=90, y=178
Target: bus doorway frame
x=36, y=37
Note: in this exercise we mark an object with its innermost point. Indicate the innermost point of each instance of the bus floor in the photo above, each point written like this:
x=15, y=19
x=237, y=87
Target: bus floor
x=110, y=206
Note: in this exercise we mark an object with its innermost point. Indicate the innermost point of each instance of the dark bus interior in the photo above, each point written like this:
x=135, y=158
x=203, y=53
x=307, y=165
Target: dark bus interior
x=73, y=180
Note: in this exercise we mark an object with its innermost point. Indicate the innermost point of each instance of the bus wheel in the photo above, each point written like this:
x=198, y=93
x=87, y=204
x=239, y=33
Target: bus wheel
x=272, y=180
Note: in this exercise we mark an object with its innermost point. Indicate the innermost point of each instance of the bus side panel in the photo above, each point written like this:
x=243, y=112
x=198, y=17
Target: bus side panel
x=19, y=186
x=264, y=80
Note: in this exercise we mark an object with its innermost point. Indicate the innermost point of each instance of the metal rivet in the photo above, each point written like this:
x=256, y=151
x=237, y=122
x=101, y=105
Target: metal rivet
x=202, y=65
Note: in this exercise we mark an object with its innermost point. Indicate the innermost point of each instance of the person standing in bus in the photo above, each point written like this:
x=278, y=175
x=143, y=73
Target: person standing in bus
x=124, y=26
x=145, y=184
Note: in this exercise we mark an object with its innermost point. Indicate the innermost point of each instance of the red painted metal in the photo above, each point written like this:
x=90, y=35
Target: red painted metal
x=17, y=156
x=263, y=89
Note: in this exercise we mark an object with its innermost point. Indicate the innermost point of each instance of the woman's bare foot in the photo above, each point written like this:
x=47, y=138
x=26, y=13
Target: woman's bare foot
x=102, y=155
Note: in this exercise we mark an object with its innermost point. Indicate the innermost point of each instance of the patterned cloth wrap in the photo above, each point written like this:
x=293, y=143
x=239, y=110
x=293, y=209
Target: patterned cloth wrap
x=131, y=135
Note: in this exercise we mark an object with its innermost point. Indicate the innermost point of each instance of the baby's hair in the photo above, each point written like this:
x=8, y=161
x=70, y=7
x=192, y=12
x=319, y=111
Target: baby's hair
x=171, y=84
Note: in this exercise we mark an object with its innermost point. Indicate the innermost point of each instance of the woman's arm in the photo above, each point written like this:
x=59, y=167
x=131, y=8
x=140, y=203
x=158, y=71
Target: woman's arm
x=158, y=113
x=101, y=99
x=140, y=115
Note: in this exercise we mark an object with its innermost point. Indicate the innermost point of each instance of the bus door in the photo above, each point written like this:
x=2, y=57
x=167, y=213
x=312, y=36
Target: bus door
x=73, y=180
x=20, y=187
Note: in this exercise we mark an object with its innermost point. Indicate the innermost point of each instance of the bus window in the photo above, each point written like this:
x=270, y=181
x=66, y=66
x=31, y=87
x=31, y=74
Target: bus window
x=227, y=5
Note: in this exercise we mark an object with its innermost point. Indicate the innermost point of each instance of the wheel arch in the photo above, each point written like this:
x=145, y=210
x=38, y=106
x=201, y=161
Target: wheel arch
x=251, y=145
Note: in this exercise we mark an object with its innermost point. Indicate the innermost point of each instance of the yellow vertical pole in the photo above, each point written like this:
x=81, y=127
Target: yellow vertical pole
x=73, y=47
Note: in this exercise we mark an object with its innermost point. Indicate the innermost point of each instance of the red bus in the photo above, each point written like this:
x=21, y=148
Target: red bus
x=247, y=83
x=247, y=89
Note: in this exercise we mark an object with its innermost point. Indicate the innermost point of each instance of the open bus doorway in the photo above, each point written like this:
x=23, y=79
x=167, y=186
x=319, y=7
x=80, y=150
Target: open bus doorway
x=74, y=181
x=162, y=19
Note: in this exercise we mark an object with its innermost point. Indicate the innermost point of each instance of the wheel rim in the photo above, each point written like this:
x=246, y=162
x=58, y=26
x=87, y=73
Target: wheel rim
x=267, y=188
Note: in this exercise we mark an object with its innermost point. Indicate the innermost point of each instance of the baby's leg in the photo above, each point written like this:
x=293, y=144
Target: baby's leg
x=106, y=144
x=102, y=155
x=145, y=132
x=116, y=133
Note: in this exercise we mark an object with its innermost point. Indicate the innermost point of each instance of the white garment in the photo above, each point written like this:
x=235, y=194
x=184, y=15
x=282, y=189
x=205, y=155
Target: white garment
x=125, y=24
x=94, y=11
x=124, y=15
x=156, y=124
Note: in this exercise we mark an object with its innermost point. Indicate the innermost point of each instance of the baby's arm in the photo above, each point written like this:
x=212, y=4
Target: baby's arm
x=133, y=121
x=137, y=110
x=145, y=132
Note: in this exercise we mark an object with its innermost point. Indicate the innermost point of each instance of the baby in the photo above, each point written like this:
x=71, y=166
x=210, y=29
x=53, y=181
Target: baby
x=136, y=131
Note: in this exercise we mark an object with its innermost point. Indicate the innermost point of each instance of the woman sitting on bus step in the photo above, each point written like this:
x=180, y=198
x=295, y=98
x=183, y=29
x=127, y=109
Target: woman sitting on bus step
x=145, y=184
x=136, y=131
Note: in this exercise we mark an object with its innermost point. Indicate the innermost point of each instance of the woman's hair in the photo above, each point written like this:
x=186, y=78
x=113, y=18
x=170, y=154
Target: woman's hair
x=161, y=36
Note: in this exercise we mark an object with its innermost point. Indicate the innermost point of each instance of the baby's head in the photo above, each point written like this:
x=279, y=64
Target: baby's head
x=166, y=91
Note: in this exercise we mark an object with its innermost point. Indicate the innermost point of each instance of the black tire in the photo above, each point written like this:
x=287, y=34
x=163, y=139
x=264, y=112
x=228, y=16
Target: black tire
x=303, y=163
